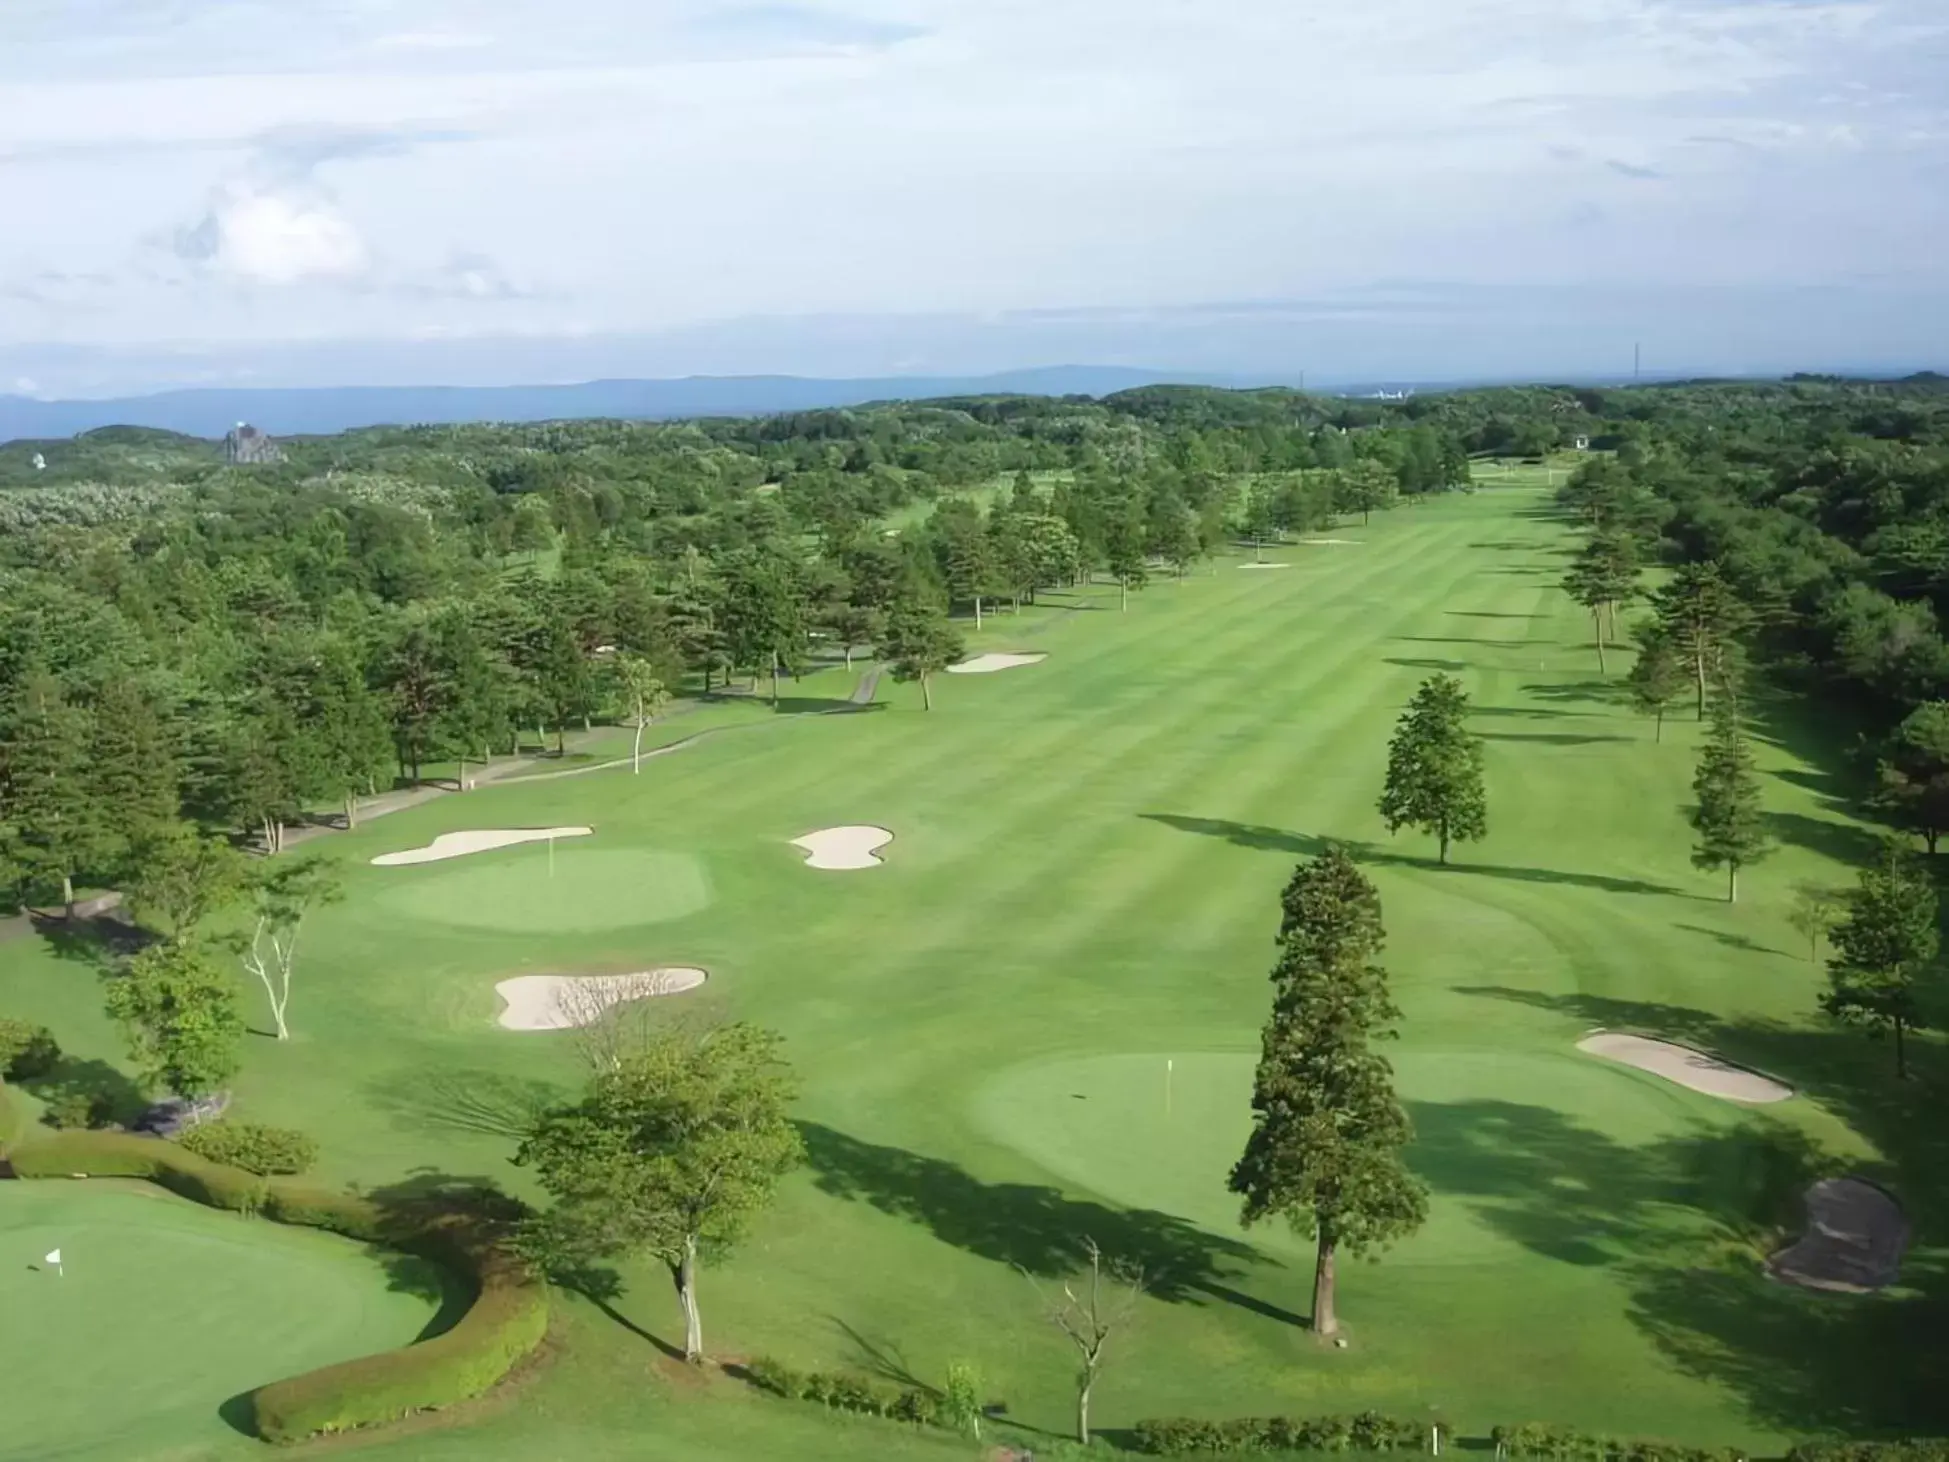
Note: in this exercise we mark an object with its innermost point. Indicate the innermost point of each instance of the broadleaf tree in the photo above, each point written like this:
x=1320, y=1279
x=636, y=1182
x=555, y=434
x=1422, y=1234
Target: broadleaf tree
x=918, y=642
x=1328, y=1131
x=672, y=1152
x=180, y=1013
x=283, y=895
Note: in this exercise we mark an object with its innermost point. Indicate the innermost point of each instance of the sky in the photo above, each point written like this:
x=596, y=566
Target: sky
x=298, y=192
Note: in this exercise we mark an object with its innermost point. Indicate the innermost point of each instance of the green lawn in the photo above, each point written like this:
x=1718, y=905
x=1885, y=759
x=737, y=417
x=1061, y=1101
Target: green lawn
x=1083, y=887
x=164, y=1310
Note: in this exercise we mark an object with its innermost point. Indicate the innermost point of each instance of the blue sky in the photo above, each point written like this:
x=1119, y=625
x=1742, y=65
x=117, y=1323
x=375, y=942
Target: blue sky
x=298, y=191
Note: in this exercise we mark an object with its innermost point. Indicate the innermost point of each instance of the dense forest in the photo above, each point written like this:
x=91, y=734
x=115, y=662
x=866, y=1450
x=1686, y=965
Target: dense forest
x=188, y=643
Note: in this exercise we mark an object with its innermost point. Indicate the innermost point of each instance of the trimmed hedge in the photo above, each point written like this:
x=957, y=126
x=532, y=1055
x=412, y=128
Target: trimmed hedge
x=1366, y=1431
x=1917, y=1449
x=506, y=1321
x=252, y=1146
x=1566, y=1444
x=844, y=1391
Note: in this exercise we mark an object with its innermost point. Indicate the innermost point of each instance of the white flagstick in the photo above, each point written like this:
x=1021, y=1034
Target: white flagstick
x=54, y=1258
x=1169, y=1066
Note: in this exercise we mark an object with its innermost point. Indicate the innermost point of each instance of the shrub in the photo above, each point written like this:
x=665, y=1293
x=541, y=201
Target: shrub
x=76, y=1107
x=1367, y=1431
x=1566, y=1444
x=1918, y=1449
x=506, y=1321
x=254, y=1148
x=844, y=1391
x=27, y=1051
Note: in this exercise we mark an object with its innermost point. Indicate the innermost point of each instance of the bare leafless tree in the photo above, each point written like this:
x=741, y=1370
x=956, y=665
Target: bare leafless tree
x=611, y=1020
x=1092, y=1306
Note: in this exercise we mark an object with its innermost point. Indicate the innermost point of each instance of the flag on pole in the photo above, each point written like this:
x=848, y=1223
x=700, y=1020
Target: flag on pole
x=54, y=1258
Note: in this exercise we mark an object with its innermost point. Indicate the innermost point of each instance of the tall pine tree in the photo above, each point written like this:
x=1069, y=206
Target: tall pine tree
x=1328, y=1130
x=1434, y=768
x=135, y=771
x=1727, y=816
x=56, y=828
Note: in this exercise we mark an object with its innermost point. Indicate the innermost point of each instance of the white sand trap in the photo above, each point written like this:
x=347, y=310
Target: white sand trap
x=844, y=848
x=1685, y=1066
x=1265, y=565
x=1338, y=542
x=989, y=664
x=481, y=840
x=560, y=1002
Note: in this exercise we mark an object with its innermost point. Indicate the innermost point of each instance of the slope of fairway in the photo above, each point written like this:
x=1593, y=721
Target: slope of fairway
x=165, y=1311
x=1086, y=882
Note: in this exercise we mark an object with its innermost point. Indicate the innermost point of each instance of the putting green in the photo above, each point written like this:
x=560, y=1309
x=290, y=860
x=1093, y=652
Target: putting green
x=165, y=1310
x=515, y=891
x=1128, y=1129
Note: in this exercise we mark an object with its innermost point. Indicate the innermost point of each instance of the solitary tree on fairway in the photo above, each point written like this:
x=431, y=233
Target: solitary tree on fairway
x=672, y=1153
x=284, y=894
x=1434, y=767
x=181, y=1017
x=1364, y=486
x=1090, y=1309
x=1328, y=1130
x=1656, y=677
x=1727, y=816
x=917, y=643
x=1884, y=949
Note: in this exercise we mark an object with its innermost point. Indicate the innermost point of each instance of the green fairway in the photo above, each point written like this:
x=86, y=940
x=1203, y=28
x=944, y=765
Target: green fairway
x=164, y=1311
x=532, y=888
x=1084, y=885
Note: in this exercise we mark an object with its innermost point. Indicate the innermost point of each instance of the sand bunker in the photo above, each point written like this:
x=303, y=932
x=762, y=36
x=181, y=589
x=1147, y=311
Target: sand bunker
x=1265, y=565
x=844, y=848
x=561, y=1002
x=1855, y=1239
x=1685, y=1066
x=1322, y=542
x=988, y=664
x=459, y=845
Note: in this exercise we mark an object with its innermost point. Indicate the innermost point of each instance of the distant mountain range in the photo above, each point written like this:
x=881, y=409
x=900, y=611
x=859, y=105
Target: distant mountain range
x=323, y=410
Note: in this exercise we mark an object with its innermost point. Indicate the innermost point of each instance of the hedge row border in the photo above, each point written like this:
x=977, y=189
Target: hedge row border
x=505, y=1322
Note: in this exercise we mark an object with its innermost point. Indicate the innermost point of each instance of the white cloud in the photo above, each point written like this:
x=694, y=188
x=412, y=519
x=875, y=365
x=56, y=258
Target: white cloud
x=276, y=237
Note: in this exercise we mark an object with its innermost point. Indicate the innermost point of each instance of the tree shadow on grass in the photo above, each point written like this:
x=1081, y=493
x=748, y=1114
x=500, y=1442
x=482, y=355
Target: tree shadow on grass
x=1845, y=842
x=1744, y=943
x=1529, y=713
x=1549, y=738
x=1451, y=640
x=1448, y=665
x=119, y=1099
x=419, y=1099
x=101, y=943
x=1038, y=1230
x=1272, y=839
x=1684, y=1222
x=602, y=1286
x=880, y=1358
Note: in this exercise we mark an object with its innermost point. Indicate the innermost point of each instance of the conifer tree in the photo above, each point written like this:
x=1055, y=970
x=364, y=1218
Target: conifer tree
x=55, y=827
x=1702, y=619
x=1328, y=1130
x=1727, y=815
x=1434, y=768
x=1884, y=949
x=1656, y=676
x=135, y=771
x=1604, y=576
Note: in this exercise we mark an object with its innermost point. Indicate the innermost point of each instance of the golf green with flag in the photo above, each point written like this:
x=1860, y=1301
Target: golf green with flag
x=133, y=1317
